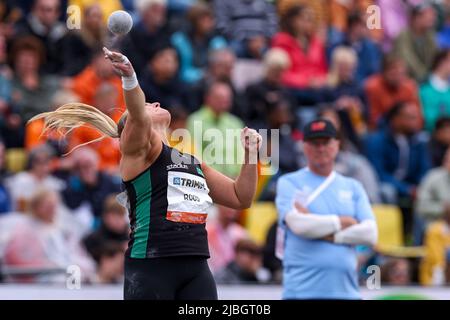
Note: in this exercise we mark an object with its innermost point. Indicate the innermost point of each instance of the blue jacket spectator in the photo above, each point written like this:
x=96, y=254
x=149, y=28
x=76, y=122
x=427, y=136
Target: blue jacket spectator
x=194, y=45
x=160, y=80
x=397, y=153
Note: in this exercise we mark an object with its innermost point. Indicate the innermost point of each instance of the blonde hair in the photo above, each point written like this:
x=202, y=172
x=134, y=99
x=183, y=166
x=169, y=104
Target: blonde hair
x=340, y=55
x=73, y=115
x=276, y=58
x=38, y=196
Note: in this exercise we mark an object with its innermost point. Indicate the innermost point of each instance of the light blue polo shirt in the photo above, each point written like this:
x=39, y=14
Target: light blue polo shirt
x=318, y=269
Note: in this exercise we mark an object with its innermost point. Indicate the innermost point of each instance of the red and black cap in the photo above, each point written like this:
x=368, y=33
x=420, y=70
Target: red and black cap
x=320, y=128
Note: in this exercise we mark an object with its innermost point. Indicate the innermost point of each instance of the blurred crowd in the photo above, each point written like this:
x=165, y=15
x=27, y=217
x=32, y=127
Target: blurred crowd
x=378, y=69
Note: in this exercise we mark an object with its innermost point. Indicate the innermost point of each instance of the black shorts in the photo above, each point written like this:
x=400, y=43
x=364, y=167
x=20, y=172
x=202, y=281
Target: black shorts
x=171, y=278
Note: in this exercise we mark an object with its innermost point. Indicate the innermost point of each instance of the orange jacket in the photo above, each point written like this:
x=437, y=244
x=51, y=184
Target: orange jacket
x=381, y=98
x=87, y=83
x=107, y=149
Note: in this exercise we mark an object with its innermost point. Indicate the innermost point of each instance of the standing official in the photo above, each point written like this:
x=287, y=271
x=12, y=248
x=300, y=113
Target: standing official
x=322, y=216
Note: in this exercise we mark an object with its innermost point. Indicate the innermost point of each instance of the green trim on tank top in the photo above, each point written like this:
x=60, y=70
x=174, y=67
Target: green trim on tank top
x=143, y=190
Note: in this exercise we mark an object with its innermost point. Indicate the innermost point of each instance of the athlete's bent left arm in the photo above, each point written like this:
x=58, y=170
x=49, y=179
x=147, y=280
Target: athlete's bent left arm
x=239, y=193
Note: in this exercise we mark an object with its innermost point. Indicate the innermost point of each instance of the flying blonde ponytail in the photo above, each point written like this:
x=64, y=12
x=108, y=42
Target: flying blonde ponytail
x=73, y=115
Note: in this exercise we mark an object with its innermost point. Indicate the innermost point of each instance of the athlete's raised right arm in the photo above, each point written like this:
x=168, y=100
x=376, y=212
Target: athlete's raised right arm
x=136, y=135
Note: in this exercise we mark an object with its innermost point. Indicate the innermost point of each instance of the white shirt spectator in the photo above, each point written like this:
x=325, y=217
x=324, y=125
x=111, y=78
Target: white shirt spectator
x=24, y=184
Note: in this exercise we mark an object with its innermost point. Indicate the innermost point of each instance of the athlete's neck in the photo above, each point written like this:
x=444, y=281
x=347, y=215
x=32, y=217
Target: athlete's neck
x=162, y=132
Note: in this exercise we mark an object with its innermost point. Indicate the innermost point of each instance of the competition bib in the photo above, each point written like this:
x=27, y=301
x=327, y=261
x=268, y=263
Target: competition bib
x=187, y=198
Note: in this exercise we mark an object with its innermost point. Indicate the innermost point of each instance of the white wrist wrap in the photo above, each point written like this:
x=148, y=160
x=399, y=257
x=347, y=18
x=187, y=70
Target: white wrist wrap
x=129, y=83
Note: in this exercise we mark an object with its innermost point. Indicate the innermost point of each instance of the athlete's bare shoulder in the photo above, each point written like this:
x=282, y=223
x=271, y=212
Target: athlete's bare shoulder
x=133, y=165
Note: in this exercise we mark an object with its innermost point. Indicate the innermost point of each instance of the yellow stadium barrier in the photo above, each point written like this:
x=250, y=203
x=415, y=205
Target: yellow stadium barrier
x=258, y=219
x=390, y=233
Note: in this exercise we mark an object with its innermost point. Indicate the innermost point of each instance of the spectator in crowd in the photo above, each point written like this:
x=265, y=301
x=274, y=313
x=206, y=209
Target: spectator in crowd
x=434, y=192
x=305, y=49
x=340, y=13
x=280, y=117
x=160, y=81
x=5, y=198
x=43, y=23
x=113, y=229
x=221, y=64
x=24, y=184
x=435, y=93
x=40, y=242
x=98, y=72
x=394, y=19
x=368, y=53
x=88, y=187
x=417, y=44
x=388, y=88
x=345, y=91
x=215, y=114
x=194, y=44
x=81, y=44
x=246, y=268
x=33, y=130
x=396, y=272
x=286, y=151
x=151, y=30
x=110, y=265
x=223, y=234
x=319, y=7
x=435, y=266
x=107, y=149
x=398, y=154
x=247, y=24
x=106, y=6
x=260, y=95
x=349, y=162
x=440, y=141
x=32, y=92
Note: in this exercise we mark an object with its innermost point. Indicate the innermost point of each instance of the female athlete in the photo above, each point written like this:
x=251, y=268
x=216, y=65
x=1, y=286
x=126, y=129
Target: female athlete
x=168, y=193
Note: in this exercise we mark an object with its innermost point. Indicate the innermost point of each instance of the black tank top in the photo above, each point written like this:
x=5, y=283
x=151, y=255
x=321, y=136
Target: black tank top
x=168, y=205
